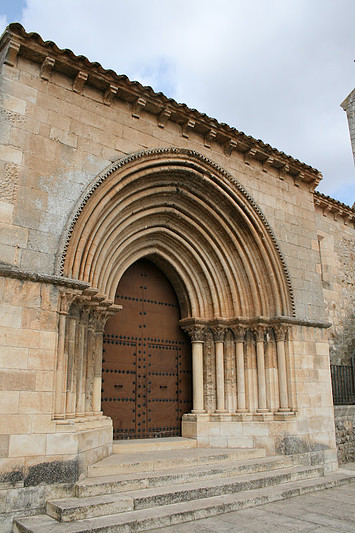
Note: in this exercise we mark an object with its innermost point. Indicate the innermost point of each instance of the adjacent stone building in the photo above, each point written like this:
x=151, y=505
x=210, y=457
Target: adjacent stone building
x=161, y=274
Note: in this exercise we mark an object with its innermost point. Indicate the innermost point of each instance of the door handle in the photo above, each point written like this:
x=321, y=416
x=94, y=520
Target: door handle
x=118, y=386
x=163, y=386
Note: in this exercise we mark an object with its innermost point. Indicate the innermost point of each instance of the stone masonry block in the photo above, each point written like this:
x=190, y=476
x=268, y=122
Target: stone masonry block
x=13, y=357
x=35, y=402
x=16, y=381
x=61, y=444
x=40, y=359
x=11, y=154
x=22, y=292
x=15, y=424
x=9, y=402
x=6, y=212
x=10, y=315
x=27, y=445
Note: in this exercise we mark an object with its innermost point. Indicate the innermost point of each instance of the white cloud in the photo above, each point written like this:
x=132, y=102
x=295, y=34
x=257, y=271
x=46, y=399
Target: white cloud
x=276, y=69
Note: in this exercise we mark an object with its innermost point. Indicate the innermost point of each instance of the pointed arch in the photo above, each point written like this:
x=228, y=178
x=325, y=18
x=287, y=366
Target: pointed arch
x=194, y=220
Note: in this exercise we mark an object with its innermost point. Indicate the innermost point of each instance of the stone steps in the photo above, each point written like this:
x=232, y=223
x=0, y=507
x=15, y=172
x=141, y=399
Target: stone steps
x=158, y=478
x=167, y=515
x=126, y=463
x=65, y=510
x=151, y=445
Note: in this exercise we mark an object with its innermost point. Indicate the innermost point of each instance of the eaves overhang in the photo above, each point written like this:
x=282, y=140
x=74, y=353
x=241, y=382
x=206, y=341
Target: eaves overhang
x=15, y=42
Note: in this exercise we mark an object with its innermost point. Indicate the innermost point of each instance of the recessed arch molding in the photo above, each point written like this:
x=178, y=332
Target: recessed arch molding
x=189, y=214
x=195, y=221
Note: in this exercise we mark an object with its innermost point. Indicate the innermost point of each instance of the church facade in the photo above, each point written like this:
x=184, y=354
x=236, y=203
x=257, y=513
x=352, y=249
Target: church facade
x=161, y=274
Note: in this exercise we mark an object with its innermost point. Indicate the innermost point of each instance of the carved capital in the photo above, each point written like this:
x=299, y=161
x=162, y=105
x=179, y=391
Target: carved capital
x=66, y=299
x=196, y=332
x=238, y=332
x=187, y=127
x=138, y=107
x=259, y=332
x=163, y=117
x=229, y=146
x=79, y=82
x=209, y=137
x=218, y=332
x=109, y=94
x=280, y=332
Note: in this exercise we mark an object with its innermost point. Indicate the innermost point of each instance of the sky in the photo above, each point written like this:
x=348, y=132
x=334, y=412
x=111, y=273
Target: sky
x=275, y=69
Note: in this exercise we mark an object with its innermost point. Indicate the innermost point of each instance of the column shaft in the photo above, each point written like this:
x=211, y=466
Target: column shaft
x=197, y=376
x=220, y=376
x=261, y=376
x=239, y=353
x=280, y=346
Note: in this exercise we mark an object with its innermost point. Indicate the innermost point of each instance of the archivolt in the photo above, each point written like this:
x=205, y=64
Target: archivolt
x=190, y=217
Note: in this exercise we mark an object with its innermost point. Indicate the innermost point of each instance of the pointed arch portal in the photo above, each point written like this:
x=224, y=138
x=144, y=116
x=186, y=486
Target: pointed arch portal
x=198, y=226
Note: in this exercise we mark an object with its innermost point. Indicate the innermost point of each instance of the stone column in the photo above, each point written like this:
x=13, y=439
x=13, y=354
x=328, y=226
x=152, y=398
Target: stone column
x=196, y=333
x=239, y=333
x=81, y=359
x=260, y=359
x=71, y=381
x=90, y=359
x=280, y=334
x=66, y=298
x=218, y=332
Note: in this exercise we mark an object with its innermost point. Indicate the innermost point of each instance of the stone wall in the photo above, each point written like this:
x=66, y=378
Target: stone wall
x=66, y=124
x=345, y=432
x=336, y=264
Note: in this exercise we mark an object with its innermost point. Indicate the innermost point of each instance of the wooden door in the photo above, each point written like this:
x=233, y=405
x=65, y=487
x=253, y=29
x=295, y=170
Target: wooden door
x=146, y=377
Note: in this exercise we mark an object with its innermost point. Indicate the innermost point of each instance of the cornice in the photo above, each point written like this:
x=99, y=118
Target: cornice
x=333, y=208
x=17, y=42
x=10, y=271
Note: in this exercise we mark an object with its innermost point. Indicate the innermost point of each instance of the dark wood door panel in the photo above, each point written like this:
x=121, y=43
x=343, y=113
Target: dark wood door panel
x=147, y=358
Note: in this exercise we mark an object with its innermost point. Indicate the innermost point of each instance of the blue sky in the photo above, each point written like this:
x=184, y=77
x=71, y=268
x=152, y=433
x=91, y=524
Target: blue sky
x=276, y=69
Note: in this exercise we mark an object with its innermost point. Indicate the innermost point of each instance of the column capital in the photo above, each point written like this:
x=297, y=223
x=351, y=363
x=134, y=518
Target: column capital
x=280, y=331
x=259, y=331
x=66, y=298
x=238, y=332
x=218, y=331
x=196, y=332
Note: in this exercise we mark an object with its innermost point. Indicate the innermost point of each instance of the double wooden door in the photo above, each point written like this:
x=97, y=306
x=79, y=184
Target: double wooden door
x=146, y=374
